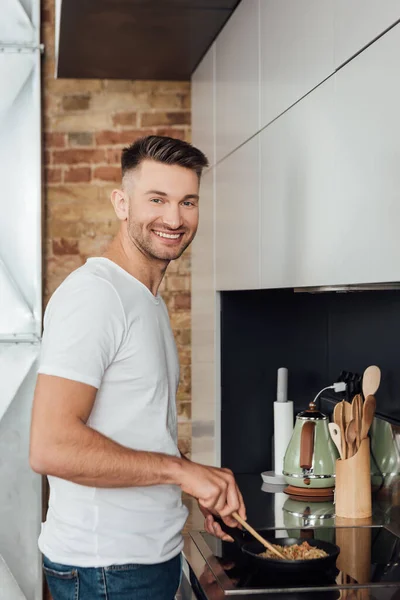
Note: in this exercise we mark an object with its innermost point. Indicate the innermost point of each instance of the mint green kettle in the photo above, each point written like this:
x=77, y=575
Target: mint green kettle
x=311, y=455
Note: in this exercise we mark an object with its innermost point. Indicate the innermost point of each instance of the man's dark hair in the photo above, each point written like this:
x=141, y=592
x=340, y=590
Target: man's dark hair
x=167, y=150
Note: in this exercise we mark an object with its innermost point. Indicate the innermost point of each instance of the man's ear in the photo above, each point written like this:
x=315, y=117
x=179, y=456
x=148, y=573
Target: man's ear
x=120, y=202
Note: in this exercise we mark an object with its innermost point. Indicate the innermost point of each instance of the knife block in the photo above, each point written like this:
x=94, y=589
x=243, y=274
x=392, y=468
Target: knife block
x=353, y=485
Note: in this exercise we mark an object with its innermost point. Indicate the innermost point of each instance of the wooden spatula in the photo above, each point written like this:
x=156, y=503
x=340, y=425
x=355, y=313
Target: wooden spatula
x=256, y=535
x=368, y=415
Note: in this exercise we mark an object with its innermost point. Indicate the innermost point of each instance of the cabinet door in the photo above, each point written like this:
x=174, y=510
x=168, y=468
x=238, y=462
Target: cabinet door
x=203, y=106
x=296, y=53
x=237, y=79
x=237, y=220
x=359, y=22
x=297, y=171
x=203, y=329
x=367, y=193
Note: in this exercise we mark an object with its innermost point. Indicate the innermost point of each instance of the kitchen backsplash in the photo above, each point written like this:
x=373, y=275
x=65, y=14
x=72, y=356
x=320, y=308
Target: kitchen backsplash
x=316, y=336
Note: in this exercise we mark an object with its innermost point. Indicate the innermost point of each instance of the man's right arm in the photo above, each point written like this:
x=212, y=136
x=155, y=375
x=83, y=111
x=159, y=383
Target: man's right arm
x=63, y=445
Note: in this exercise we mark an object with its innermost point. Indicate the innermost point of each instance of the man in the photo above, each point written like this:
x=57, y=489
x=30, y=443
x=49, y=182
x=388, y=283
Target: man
x=104, y=416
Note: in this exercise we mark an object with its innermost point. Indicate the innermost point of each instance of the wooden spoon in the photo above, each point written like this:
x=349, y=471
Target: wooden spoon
x=351, y=436
x=371, y=381
x=357, y=408
x=258, y=537
x=368, y=415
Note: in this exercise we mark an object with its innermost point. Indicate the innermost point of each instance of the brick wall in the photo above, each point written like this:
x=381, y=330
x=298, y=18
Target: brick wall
x=86, y=123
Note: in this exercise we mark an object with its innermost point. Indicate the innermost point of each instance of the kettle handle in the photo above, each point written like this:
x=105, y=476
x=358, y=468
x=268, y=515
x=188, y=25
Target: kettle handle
x=307, y=444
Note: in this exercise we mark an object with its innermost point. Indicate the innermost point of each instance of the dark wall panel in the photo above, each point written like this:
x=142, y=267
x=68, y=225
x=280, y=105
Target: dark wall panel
x=315, y=336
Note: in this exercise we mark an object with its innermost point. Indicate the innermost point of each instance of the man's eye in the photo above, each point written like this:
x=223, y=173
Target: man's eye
x=156, y=200
x=188, y=203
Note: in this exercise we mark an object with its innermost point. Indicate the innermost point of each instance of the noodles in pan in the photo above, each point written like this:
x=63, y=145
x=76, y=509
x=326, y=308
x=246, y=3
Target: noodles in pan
x=296, y=552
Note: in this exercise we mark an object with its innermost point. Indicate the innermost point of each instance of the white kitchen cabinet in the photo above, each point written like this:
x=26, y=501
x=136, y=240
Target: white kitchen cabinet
x=297, y=199
x=237, y=78
x=358, y=22
x=203, y=106
x=204, y=328
x=237, y=223
x=203, y=252
x=296, y=51
x=367, y=189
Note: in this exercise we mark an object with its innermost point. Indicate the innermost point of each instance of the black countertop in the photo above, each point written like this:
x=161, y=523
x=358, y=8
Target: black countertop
x=265, y=511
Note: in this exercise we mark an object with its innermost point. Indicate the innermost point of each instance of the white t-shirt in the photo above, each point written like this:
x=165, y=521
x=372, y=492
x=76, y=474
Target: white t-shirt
x=105, y=328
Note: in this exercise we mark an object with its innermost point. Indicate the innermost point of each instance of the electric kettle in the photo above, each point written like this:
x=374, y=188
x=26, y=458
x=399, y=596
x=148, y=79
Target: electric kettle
x=310, y=457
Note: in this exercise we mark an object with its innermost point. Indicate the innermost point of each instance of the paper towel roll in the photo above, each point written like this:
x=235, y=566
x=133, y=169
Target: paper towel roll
x=283, y=429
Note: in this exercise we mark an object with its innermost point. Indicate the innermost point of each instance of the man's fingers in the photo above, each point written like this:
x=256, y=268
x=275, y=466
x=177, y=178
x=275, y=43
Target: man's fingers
x=219, y=533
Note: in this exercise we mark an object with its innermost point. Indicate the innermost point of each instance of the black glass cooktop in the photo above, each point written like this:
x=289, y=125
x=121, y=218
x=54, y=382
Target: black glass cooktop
x=369, y=556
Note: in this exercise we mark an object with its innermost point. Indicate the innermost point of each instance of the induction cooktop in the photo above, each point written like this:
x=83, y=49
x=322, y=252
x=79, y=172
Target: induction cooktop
x=369, y=557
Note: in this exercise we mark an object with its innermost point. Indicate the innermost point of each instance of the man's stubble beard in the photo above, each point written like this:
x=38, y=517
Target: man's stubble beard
x=135, y=233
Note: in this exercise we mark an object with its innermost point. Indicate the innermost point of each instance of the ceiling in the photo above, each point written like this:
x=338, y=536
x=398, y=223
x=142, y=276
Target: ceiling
x=137, y=39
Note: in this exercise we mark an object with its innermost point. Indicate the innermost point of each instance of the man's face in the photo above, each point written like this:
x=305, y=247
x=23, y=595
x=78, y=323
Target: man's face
x=163, y=208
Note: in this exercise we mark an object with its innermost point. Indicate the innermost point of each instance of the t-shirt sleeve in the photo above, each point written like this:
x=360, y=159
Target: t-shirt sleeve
x=84, y=326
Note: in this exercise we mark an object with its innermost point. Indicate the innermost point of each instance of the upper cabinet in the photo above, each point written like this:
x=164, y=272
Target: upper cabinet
x=367, y=190
x=298, y=216
x=237, y=79
x=203, y=106
x=237, y=219
x=358, y=22
x=296, y=51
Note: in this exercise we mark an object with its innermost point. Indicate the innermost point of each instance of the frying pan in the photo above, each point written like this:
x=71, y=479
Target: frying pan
x=292, y=568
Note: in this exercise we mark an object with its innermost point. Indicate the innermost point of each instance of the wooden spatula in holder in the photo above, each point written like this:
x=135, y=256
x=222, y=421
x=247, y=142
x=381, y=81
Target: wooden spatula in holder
x=353, y=484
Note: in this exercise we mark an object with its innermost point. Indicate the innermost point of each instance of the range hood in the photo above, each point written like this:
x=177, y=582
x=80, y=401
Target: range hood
x=136, y=39
x=361, y=287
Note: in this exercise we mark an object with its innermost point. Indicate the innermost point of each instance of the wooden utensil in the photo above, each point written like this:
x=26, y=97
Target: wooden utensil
x=336, y=437
x=357, y=408
x=343, y=428
x=368, y=415
x=258, y=537
x=371, y=381
x=348, y=415
x=351, y=437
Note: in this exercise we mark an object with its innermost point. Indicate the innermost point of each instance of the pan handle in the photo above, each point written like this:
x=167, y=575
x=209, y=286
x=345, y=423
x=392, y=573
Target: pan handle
x=236, y=533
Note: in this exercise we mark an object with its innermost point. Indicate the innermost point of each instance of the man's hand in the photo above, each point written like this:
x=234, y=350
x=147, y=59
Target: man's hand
x=214, y=528
x=217, y=493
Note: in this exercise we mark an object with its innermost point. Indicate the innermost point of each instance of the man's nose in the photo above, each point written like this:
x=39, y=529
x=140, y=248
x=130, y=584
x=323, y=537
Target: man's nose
x=172, y=216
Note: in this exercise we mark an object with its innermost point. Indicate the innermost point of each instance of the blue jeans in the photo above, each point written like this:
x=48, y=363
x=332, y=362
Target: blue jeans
x=117, y=582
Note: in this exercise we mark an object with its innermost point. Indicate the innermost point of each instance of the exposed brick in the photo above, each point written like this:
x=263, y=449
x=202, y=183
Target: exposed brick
x=178, y=283
x=156, y=119
x=107, y=173
x=113, y=155
x=184, y=410
x=182, y=301
x=179, y=134
x=125, y=119
x=65, y=246
x=54, y=140
x=77, y=175
x=47, y=157
x=80, y=138
x=126, y=136
x=78, y=155
x=53, y=175
x=84, y=121
x=76, y=102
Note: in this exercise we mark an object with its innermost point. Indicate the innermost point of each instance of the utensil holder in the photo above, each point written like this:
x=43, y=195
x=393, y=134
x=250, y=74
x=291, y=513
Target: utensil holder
x=353, y=485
